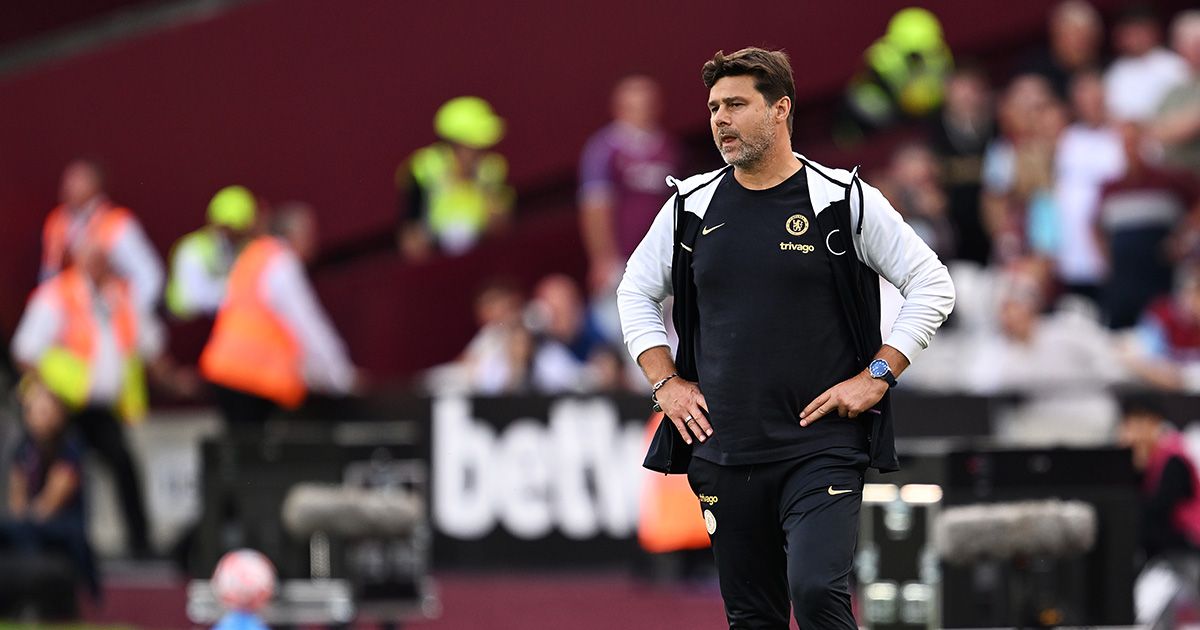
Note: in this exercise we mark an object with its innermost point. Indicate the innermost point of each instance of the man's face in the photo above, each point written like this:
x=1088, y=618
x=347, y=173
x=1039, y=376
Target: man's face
x=1137, y=38
x=744, y=127
x=1076, y=40
x=967, y=96
x=1087, y=97
x=636, y=101
x=80, y=182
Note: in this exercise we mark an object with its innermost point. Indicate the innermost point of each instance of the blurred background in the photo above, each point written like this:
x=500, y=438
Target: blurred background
x=335, y=282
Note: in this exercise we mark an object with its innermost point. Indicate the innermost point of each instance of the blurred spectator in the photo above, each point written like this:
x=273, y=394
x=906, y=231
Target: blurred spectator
x=1137, y=214
x=569, y=352
x=959, y=136
x=1177, y=125
x=272, y=341
x=1144, y=71
x=85, y=338
x=904, y=74
x=497, y=359
x=1060, y=362
x=1018, y=202
x=1089, y=154
x=45, y=499
x=454, y=191
x=912, y=185
x=1170, y=504
x=86, y=213
x=1167, y=340
x=622, y=185
x=1076, y=34
x=201, y=260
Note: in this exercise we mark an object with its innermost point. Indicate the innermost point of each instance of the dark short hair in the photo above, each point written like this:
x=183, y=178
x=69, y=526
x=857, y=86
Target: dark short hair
x=1140, y=402
x=1138, y=13
x=771, y=69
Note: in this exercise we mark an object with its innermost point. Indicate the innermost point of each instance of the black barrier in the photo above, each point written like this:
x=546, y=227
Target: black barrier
x=514, y=482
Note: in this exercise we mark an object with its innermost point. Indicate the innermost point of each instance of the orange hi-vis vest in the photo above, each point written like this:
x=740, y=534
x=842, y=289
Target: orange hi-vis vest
x=66, y=368
x=103, y=226
x=250, y=349
x=668, y=518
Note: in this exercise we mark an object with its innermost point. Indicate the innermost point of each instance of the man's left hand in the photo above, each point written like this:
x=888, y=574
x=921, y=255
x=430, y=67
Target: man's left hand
x=849, y=398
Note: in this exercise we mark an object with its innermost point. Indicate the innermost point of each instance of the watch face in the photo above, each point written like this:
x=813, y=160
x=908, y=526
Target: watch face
x=878, y=368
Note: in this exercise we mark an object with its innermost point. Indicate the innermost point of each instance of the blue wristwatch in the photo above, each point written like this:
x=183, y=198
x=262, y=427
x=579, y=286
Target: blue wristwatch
x=880, y=369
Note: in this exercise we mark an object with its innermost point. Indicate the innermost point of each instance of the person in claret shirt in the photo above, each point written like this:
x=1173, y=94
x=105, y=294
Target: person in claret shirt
x=1137, y=214
x=622, y=178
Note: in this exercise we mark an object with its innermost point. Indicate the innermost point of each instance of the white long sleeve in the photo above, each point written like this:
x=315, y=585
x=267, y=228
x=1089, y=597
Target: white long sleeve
x=646, y=284
x=134, y=258
x=37, y=329
x=891, y=247
x=287, y=290
x=887, y=244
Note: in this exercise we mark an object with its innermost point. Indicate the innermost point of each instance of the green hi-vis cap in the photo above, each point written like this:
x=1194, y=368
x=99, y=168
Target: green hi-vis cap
x=233, y=207
x=915, y=29
x=469, y=121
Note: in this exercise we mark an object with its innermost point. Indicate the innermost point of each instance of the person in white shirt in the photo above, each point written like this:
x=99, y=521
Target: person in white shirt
x=1137, y=81
x=272, y=342
x=1061, y=363
x=1089, y=154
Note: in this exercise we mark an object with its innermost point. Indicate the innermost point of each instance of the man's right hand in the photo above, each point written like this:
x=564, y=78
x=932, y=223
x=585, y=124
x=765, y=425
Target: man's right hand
x=683, y=403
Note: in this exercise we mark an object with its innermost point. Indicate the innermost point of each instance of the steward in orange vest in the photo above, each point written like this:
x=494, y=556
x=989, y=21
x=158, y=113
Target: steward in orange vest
x=86, y=214
x=84, y=338
x=271, y=341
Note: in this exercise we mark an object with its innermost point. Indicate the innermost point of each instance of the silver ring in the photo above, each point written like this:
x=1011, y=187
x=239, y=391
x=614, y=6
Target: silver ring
x=689, y=419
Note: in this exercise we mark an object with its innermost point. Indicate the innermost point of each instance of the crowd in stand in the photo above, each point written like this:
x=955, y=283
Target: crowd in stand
x=1064, y=196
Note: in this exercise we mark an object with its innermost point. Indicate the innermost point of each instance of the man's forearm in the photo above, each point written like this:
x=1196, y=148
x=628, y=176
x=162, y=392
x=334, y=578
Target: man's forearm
x=896, y=359
x=656, y=363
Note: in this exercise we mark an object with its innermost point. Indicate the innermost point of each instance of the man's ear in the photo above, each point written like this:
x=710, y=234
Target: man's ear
x=783, y=107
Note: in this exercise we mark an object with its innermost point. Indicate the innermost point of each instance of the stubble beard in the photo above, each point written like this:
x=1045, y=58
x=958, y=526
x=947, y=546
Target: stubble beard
x=753, y=147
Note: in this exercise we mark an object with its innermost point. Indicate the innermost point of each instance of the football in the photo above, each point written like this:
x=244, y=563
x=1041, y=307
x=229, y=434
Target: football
x=244, y=580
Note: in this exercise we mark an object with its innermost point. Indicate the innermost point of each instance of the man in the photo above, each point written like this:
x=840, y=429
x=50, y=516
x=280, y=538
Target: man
x=1137, y=214
x=1165, y=351
x=959, y=136
x=1088, y=155
x=1170, y=505
x=1076, y=35
x=1177, y=123
x=620, y=176
x=1141, y=76
x=86, y=212
x=904, y=72
x=774, y=263
x=271, y=340
x=1061, y=365
x=84, y=336
x=200, y=261
x=453, y=192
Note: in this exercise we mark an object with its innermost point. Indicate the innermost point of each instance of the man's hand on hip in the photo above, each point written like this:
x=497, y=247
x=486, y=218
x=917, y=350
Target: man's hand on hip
x=683, y=403
x=849, y=398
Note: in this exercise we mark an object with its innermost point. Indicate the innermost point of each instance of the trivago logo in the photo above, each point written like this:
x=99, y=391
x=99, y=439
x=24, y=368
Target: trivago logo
x=578, y=473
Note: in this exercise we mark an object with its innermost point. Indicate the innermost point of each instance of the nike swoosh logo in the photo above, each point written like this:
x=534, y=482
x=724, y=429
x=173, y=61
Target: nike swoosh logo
x=834, y=493
x=706, y=230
